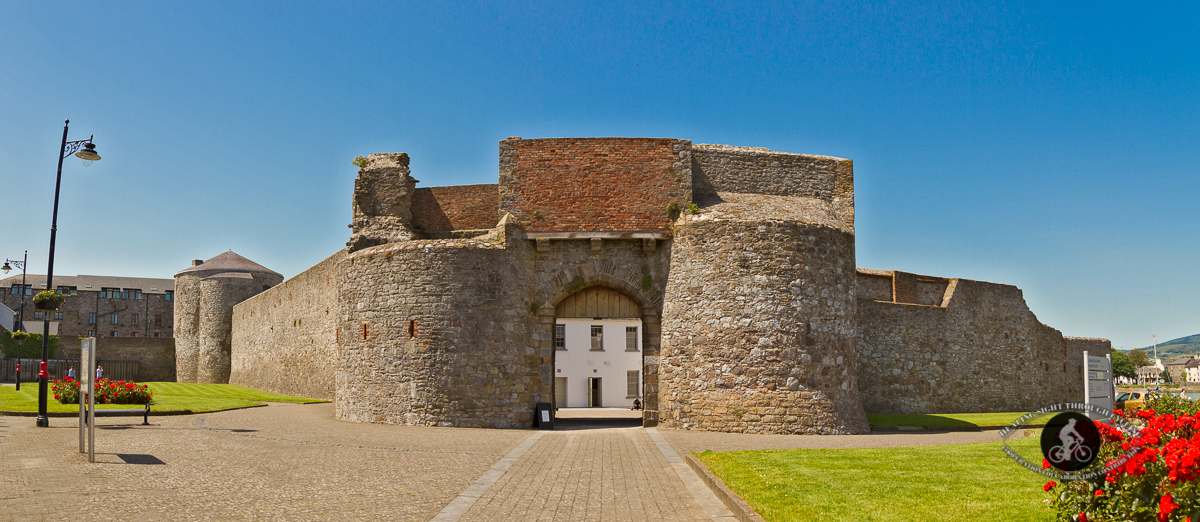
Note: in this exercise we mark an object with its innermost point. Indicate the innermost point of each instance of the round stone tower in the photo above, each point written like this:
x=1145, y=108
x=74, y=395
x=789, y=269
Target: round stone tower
x=758, y=326
x=205, y=295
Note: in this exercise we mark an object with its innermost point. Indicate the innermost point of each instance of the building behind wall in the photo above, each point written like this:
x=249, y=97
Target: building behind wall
x=103, y=306
x=734, y=266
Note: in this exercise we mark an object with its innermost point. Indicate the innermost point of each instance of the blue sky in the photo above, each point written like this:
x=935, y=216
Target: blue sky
x=1052, y=146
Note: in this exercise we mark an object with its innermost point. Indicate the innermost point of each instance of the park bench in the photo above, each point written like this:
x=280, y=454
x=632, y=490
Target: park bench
x=124, y=411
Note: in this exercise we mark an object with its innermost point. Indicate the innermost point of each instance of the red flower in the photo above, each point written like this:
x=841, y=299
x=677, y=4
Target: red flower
x=1045, y=464
x=1099, y=493
x=1082, y=517
x=1166, y=506
x=1049, y=485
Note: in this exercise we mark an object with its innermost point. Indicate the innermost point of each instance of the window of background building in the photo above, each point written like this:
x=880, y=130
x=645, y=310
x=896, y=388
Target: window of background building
x=133, y=334
x=16, y=289
x=597, y=338
x=91, y=333
x=67, y=290
x=91, y=318
x=131, y=293
x=158, y=334
x=37, y=315
x=58, y=315
x=170, y=295
x=631, y=339
x=112, y=333
x=560, y=337
x=158, y=320
x=114, y=320
x=133, y=320
x=631, y=384
x=110, y=293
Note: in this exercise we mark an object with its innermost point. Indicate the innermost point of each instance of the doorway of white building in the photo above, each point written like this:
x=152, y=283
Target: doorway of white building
x=598, y=350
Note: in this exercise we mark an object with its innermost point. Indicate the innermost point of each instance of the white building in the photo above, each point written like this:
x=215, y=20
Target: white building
x=598, y=350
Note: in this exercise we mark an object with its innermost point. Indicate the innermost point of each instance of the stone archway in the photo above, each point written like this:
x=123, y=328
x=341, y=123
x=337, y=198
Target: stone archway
x=648, y=303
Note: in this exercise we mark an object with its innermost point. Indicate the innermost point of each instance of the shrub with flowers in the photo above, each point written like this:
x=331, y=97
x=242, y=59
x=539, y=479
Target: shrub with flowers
x=108, y=391
x=1159, y=480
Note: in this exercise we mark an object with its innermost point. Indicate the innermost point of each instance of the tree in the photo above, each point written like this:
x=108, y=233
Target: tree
x=1139, y=359
x=1121, y=365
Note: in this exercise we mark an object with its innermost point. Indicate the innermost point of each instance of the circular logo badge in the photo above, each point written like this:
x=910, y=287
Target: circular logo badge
x=1070, y=441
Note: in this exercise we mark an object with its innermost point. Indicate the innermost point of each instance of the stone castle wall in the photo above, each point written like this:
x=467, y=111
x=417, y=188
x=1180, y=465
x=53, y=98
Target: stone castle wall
x=284, y=340
x=218, y=294
x=981, y=350
x=382, y=206
x=187, y=325
x=758, y=325
x=436, y=211
x=594, y=184
x=155, y=355
x=439, y=333
x=756, y=170
x=755, y=318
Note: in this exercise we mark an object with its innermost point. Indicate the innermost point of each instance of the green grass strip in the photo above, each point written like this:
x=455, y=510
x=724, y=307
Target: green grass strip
x=945, y=419
x=963, y=482
x=168, y=396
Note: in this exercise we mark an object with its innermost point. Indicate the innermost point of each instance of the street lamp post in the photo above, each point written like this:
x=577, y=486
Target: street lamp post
x=88, y=155
x=20, y=326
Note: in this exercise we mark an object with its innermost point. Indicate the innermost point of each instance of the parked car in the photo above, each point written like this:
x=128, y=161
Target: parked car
x=1130, y=401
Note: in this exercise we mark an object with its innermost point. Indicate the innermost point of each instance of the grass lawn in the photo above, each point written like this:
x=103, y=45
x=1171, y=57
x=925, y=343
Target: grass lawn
x=965, y=482
x=168, y=396
x=947, y=419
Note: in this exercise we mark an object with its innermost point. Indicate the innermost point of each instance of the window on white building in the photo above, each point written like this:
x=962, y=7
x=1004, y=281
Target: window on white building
x=631, y=384
x=631, y=339
x=597, y=338
x=560, y=337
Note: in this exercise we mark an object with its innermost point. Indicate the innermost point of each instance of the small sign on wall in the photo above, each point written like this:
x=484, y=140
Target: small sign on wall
x=1097, y=383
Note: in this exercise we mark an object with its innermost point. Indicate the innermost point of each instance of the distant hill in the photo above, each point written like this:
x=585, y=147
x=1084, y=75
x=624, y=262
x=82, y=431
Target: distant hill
x=1168, y=350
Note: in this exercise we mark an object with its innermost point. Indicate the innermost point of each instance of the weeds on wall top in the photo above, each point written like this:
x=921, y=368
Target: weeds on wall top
x=577, y=284
x=359, y=161
x=647, y=282
x=672, y=208
x=693, y=208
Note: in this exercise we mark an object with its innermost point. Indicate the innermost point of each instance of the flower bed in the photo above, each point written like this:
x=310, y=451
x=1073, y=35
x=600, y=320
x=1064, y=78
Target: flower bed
x=1159, y=482
x=66, y=391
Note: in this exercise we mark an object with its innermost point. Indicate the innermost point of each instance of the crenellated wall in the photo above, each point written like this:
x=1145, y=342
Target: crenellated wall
x=285, y=339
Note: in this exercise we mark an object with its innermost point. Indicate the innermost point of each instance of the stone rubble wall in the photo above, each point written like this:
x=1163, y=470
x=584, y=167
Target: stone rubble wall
x=187, y=325
x=218, y=294
x=285, y=339
x=983, y=350
x=461, y=207
x=382, y=201
x=155, y=355
x=758, y=327
x=594, y=184
x=438, y=333
x=757, y=170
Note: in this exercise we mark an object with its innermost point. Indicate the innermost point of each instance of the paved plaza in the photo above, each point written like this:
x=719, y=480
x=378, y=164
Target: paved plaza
x=296, y=462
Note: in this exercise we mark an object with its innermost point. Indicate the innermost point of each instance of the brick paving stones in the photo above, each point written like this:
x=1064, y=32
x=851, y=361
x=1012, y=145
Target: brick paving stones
x=296, y=462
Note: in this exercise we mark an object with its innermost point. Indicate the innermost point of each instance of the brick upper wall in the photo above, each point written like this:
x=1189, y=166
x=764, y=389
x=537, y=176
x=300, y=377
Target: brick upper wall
x=594, y=184
x=459, y=207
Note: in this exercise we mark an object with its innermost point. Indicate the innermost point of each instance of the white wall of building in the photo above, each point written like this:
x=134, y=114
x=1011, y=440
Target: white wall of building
x=578, y=362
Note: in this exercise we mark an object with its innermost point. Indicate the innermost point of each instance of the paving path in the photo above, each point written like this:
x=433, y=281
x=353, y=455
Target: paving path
x=296, y=462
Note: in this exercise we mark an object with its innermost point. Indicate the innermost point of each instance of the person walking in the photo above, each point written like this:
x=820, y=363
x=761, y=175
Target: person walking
x=71, y=373
x=99, y=372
